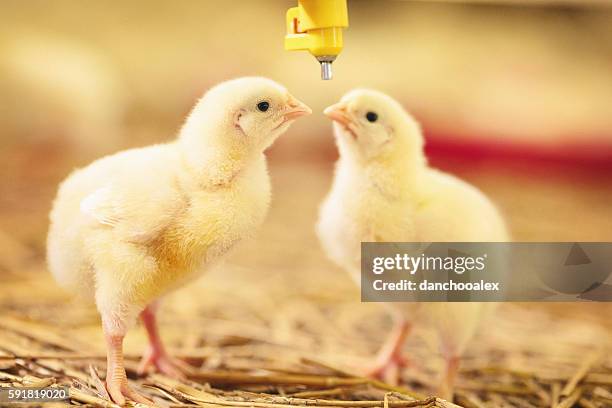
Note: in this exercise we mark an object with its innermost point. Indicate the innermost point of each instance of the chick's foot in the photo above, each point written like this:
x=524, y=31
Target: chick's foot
x=446, y=388
x=116, y=380
x=389, y=369
x=390, y=361
x=163, y=363
x=119, y=390
x=156, y=354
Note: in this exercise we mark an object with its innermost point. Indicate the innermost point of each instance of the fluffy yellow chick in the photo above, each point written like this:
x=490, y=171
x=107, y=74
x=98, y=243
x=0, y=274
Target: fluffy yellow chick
x=384, y=191
x=132, y=226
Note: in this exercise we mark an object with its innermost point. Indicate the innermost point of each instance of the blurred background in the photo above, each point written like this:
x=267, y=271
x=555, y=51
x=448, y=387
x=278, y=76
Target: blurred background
x=514, y=96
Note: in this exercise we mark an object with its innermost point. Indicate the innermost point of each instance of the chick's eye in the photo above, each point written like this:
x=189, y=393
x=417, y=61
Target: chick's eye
x=263, y=106
x=371, y=116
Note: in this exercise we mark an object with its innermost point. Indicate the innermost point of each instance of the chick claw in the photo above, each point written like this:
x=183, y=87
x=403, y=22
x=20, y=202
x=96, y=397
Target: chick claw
x=163, y=363
x=116, y=379
x=390, y=361
x=118, y=388
x=388, y=369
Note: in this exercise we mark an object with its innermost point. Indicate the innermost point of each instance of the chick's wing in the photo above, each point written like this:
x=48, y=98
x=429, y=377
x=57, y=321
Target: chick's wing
x=137, y=212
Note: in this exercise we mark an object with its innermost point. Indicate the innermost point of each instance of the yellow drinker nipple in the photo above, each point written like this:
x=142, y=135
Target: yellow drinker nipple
x=316, y=26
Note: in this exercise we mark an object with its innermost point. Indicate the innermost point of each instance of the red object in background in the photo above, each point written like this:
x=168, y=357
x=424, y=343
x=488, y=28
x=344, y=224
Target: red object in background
x=589, y=158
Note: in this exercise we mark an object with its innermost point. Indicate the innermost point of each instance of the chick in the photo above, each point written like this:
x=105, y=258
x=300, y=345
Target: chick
x=132, y=226
x=384, y=191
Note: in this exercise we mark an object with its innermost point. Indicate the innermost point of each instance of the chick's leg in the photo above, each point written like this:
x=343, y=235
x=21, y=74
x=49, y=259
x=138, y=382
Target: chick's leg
x=116, y=379
x=118, y=299
x=446, y=389
x=156, y=354
x=389, y=360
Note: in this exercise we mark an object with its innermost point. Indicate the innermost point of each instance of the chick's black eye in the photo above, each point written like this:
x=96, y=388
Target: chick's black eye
x=371, y=116
x=263, y=106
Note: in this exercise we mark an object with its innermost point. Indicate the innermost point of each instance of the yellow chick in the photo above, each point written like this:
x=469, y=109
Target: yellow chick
x=132, y=226
x=384, y=191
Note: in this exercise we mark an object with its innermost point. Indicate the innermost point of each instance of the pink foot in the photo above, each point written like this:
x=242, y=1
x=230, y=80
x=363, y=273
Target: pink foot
x=389, y=361
x=163, y=363
x=119, y=390
x=388, y=369
x=446, y=388
x=156, y=355
x=116, y=380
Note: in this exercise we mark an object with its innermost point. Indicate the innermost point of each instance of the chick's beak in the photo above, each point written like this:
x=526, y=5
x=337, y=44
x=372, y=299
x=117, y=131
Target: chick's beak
x=296, y=109
x=337, y=112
